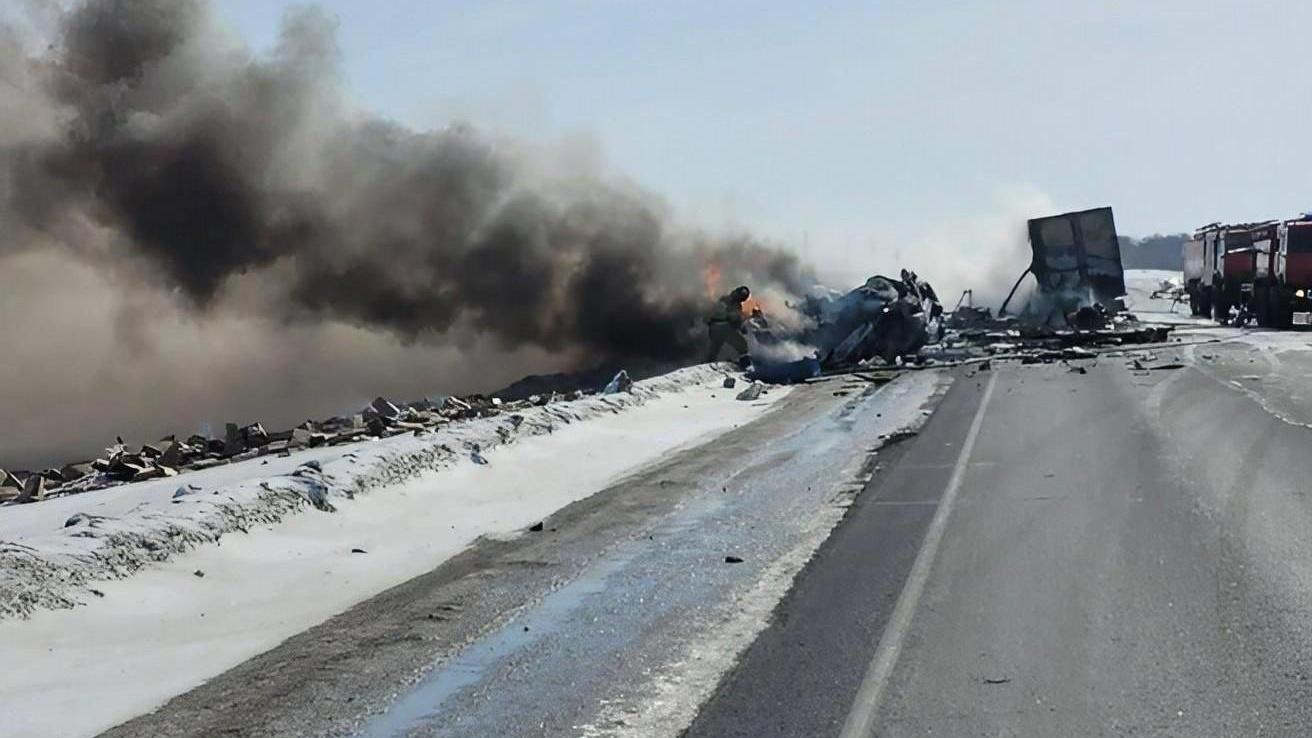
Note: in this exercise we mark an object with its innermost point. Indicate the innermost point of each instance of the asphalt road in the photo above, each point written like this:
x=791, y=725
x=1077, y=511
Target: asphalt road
x=1113, y=553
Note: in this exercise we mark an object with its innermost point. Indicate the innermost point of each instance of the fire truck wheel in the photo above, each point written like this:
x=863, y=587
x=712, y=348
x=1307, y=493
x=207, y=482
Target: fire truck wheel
x=1281, y=310
x=1261, y=306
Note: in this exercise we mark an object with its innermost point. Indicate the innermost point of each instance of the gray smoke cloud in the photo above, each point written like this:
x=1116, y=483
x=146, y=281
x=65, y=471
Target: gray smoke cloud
x=190, y=231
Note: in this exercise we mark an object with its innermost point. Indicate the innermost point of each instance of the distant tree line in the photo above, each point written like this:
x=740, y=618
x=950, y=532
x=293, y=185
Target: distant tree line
x=1158, y=251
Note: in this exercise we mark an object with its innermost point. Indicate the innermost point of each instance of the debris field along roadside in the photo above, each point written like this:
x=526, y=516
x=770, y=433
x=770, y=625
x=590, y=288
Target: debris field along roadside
x=171, y=455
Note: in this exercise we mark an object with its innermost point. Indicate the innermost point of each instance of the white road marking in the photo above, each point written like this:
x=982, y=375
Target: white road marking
x=860, y=719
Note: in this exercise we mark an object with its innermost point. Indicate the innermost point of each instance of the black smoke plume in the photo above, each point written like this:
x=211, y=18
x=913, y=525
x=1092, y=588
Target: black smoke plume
x=146, y=151
x=210, y=172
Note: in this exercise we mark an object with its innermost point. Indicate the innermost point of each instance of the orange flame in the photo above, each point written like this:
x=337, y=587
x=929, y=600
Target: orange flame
x=711, y=277
x=752, y=304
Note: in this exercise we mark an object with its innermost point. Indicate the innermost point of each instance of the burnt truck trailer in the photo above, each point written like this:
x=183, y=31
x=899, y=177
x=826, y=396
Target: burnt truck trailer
x=1076, y=262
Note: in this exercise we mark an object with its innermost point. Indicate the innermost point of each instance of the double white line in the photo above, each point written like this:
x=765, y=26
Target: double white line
x=860, y=720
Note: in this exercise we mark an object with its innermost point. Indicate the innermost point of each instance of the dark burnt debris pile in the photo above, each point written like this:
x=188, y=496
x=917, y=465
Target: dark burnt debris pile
x=883, y=329
x=1075, y=308
x=122, y=463
x=976, y=334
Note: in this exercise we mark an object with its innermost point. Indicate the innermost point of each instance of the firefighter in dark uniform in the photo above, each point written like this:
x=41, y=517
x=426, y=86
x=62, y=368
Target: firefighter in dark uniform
x=725, y=326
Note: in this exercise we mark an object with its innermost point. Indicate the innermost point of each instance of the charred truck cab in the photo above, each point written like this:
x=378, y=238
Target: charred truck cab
x=1283, y=297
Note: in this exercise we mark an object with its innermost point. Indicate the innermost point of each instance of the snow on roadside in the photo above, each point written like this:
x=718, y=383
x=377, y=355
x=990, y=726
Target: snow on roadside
x=53, y=553
x=168, y=629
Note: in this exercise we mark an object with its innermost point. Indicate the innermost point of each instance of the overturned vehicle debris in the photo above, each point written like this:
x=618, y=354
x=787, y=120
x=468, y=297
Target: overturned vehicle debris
x=1076, y=305
x=883, y=318
x=883, y=321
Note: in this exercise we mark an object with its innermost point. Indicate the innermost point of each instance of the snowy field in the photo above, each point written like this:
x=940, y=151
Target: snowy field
x=159, y=578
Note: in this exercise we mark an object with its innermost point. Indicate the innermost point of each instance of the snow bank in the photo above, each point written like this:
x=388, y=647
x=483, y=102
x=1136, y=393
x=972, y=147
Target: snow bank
x=53, y=552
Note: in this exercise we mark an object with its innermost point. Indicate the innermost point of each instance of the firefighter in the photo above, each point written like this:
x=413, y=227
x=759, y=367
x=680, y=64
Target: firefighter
x=725, y=326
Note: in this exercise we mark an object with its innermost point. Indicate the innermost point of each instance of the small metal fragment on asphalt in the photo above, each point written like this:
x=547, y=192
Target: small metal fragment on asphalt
x=535, y=528
x=359, y=551
x=732, y=560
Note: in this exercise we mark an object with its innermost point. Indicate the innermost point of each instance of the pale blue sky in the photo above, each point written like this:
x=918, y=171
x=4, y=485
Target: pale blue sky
x=857, y=122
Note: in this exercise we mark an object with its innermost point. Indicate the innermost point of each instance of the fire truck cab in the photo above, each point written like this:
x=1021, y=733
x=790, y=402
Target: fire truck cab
x=1283, y=295
x=1195, y=269
x=1210, y=293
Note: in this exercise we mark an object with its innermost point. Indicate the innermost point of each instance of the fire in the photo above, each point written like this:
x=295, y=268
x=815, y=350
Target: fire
x=711, y=277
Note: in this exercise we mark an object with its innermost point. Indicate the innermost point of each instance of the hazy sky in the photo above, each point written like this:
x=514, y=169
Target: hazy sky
x=855, y=124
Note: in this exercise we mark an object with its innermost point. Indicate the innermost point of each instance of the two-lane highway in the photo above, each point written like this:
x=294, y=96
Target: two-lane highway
x=1103, y=568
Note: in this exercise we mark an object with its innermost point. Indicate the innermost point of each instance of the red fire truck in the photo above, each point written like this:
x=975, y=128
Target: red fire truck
x=1224, y=265
x=1211, y=279
x=1282, y=294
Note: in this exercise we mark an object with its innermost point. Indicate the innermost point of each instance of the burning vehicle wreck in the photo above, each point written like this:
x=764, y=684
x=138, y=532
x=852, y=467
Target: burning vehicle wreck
x=883, y=319
x=1076, y=302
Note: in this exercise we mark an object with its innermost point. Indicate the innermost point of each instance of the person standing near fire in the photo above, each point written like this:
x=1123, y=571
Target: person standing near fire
x=725, y=326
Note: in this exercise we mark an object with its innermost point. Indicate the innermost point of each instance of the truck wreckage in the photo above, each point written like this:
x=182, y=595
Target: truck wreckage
x=1076, y=302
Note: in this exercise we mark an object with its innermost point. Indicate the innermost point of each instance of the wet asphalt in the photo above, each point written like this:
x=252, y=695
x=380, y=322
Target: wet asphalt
x=1128, y=555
